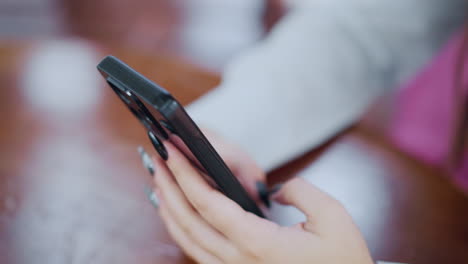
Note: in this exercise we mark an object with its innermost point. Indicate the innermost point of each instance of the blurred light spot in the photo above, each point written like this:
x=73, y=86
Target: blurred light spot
x=60, y=77
x=214, y=30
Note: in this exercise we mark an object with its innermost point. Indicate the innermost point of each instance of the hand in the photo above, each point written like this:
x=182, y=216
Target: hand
x=211, y=228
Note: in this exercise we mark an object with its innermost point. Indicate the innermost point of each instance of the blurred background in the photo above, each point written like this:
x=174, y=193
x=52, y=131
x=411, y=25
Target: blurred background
x=71, y=180
x=206, y=32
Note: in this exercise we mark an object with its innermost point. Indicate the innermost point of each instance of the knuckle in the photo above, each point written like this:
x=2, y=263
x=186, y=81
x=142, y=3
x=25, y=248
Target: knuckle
x=187, y=226
x=201, y=204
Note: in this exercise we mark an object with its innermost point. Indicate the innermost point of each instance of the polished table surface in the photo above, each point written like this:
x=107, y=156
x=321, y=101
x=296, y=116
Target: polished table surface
x=71, y=182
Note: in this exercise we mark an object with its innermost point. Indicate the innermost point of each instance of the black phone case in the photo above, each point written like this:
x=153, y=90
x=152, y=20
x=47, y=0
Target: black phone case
x=123, y=77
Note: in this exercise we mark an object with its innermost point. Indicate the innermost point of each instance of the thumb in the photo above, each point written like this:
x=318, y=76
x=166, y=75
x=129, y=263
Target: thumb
x=322, y=210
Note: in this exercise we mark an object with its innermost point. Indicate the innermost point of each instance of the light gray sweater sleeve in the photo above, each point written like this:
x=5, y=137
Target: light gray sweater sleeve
x=318, y=71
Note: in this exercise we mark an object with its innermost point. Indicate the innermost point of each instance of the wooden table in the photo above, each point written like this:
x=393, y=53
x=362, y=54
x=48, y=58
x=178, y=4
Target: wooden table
x=71, y=182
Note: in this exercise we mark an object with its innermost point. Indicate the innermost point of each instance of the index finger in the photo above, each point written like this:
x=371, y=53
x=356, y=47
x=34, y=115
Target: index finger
x=219, y=211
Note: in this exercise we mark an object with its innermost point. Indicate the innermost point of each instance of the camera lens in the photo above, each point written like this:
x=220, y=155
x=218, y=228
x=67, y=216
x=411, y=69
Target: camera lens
x=140, y=111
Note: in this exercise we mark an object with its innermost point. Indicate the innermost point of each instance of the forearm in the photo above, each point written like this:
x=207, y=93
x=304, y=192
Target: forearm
x=313, y=76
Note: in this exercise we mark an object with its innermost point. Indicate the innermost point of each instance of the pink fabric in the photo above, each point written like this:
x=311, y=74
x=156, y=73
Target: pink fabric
x=424, y=121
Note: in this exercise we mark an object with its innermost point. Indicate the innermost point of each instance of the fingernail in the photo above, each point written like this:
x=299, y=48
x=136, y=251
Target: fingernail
x=158, y=145
x=263, y=193
x=275, y=189
x=146, y=159
x=152, y=197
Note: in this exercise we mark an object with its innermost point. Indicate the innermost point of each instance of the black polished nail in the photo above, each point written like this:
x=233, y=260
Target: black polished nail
x=265, y=194
x=158, y=145
x=146, y=159
x=262, y=190
x=275, y=189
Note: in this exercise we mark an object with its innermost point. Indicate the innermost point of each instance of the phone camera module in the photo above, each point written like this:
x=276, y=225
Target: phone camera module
x=137, y=107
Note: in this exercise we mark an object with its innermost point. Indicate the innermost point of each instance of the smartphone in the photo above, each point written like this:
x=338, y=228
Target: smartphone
x=165, y=119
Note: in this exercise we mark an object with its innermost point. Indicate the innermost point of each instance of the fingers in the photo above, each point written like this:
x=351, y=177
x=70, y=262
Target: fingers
x=219, y=211
x=322, y=210
x=185, y=220
x=186, y=243
x=242, y=166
